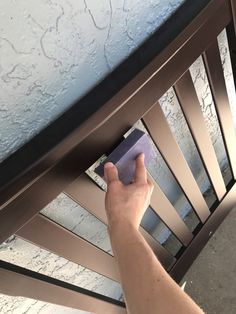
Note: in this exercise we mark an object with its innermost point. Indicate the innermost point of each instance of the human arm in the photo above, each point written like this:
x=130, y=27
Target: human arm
x=147, y=286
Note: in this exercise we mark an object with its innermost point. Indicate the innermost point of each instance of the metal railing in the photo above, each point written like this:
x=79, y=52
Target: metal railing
x=56, y=159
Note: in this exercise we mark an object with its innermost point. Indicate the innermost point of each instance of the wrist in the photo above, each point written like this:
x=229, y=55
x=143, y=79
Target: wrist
x=121, y=228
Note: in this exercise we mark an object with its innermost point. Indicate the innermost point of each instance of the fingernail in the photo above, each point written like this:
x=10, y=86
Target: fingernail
x=109, y=165
x=142, y=156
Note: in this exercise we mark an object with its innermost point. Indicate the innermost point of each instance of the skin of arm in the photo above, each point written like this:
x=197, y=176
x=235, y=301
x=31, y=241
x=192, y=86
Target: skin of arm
x=148, y=289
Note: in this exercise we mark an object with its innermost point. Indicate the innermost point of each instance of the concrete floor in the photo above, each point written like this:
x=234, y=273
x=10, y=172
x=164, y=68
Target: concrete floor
x=211, y=281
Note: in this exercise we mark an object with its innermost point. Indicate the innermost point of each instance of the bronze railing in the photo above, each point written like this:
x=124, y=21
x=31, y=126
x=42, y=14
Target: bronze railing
x=55, y=160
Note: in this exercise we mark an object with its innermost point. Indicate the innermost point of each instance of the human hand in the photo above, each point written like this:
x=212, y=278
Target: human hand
x=126, y=204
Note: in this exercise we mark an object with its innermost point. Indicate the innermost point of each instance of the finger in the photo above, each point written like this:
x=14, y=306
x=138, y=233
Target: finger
x=140, y=170
x=110, y=172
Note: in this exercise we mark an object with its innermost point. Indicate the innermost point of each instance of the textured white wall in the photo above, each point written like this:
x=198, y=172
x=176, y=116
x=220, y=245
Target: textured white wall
x=53, y=52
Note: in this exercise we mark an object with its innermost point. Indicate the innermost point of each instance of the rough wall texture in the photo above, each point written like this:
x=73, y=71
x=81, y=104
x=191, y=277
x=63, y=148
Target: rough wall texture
x=54, y=52
x=50, y=55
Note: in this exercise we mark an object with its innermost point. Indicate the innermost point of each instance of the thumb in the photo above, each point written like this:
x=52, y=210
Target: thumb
x=110, y=172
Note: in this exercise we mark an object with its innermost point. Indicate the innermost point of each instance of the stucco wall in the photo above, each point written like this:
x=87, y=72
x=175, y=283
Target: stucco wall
x=55, y=51
x=51, y=54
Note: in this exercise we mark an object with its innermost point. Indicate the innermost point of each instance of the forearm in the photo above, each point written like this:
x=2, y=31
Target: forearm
x=148, y=288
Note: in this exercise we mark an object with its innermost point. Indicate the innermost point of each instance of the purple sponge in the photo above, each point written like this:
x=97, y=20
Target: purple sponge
x=125, y=154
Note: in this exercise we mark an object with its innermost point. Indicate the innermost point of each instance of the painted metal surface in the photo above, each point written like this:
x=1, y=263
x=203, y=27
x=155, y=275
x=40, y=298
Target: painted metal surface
x=189, y=103
x=16, y=280
x=25, y=194
x=51, y=236
x=162, y=136
x=215, y=73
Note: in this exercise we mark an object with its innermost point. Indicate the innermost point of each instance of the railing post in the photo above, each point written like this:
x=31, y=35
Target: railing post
x=231, y=29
